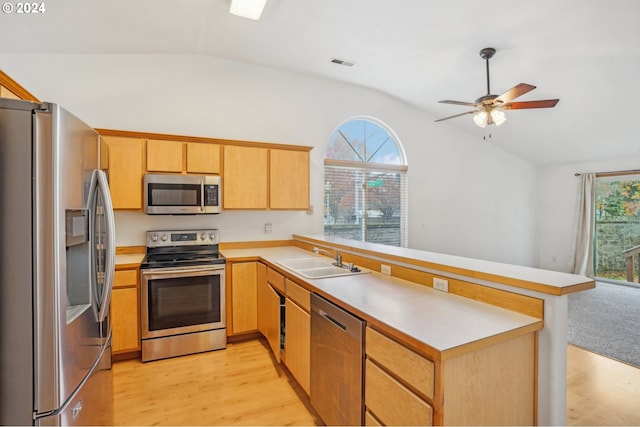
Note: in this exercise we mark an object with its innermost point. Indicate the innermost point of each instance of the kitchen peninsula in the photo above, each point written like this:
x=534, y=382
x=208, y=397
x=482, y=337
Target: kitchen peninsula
x=519, y=319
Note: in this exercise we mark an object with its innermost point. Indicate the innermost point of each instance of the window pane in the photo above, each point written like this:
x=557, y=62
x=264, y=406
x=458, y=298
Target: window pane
x=366, y=202
x=343, y=203
x=617, y=226
x=364, y=206
x=363, y=141
x=383, y=206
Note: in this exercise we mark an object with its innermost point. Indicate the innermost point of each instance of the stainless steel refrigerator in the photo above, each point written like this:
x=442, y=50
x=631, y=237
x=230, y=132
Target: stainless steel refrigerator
x=56, y=269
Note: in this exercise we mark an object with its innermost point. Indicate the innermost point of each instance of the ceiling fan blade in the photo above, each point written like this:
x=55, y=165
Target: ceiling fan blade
x=469, y=104
x=546, y=103
x=515, y=92
x=457, y=115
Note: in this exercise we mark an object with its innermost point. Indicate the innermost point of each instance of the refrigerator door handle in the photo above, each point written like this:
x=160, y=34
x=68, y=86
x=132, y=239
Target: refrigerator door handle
x=110, y=248
x=99, y=186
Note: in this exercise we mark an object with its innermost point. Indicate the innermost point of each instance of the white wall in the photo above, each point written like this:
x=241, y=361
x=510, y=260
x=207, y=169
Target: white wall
x=467, y=197
x=557, y=197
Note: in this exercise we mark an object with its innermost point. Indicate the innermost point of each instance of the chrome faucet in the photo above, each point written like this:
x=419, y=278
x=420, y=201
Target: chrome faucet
x=338, y=256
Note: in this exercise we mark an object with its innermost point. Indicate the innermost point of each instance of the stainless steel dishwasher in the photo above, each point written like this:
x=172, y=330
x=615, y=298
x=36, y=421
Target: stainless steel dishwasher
x=337, y=352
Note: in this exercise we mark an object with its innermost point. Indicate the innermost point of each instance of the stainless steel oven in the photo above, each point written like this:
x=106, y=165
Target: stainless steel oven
x=182, y=294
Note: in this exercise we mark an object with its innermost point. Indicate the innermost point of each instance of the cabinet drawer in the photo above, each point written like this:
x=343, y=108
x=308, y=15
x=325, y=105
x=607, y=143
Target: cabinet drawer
x=299, y=294
x=124, y=278
x=391, y=402
x=408, y=366
x=275, y=279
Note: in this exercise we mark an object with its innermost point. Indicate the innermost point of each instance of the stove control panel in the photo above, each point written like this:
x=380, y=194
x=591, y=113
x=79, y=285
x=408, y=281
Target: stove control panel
x=161, y=238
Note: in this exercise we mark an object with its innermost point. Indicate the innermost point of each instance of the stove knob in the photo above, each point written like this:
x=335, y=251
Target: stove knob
x=203, y=236
x=164, y=237
x=154, y=237
x=212, y=235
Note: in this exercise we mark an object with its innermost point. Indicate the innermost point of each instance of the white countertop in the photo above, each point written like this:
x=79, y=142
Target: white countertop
x=440, y=320
x=546, y=281
x=129, y=259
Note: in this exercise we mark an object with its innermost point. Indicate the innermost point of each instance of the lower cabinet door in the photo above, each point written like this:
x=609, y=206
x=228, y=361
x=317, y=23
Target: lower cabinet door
x=272, y=320
x=298, y=343
x=244, y=297
x=124, y=320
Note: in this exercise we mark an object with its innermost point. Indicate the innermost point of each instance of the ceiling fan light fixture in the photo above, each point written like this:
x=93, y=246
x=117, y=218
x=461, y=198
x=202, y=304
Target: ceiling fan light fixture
x=489, y=109
x=480, y=118
x=498, y=116
x=250, y=9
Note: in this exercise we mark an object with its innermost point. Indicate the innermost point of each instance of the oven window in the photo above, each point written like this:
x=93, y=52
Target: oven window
x=174, y=195
x=184, y=301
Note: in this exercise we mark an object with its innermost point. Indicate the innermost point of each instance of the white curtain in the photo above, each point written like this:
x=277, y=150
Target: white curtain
x=583, y=260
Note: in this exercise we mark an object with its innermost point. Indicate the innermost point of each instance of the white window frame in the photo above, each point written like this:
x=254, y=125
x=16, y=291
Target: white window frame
x=368, y=167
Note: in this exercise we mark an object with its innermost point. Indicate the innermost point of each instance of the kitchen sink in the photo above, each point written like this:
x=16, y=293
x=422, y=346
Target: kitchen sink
x=317, y=268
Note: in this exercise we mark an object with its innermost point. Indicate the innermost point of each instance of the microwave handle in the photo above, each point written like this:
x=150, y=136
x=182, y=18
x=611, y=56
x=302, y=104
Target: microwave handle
x=202, y=194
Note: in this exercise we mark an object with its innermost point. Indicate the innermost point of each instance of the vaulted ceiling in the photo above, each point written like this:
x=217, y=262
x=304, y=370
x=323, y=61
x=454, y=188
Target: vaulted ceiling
x=585, y=52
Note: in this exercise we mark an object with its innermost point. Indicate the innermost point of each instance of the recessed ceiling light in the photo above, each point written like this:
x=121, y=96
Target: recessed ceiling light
x=250, y=9
x=342, y=62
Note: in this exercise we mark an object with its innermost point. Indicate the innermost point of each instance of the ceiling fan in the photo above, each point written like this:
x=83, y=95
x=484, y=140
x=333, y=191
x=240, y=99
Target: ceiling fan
x=489, y=109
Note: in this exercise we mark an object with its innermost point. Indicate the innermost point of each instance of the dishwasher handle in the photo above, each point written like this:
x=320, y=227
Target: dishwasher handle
x=332, y=320
x=322, y=309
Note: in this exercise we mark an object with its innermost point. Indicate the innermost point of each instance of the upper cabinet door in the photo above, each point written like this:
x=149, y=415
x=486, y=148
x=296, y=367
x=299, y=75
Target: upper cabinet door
x=245, y=184
x=289, y=179
x=124, y=163
x=203, y=158
x=164, y=156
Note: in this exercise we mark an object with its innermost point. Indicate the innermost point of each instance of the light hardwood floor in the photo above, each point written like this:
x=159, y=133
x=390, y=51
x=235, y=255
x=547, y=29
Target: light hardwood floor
x=601, y=391
x=243, y=385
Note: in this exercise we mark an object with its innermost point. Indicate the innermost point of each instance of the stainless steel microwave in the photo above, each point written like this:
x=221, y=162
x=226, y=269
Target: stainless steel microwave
x=166, y=194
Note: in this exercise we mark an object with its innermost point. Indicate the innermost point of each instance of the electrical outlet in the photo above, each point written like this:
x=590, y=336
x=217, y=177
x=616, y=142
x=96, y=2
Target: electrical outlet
x=268, y=228
x=385, y=269
x=441, y=284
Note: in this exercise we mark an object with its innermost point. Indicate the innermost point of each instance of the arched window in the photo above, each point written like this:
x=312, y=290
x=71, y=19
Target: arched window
x=365, y=183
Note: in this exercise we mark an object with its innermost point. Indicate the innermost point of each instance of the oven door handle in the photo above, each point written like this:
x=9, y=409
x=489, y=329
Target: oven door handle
x=181, y=271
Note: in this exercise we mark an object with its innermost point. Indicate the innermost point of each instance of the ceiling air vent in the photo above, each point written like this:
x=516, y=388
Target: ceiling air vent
x=342, y=62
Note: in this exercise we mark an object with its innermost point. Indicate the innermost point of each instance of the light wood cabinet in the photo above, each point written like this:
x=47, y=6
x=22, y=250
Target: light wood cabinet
x=244, y=297
x=273, y=330
x=276, y=280
x=269, y=309
x=125, y=311
x=203, y=158
x=164, y=156
x=263, y=312
x=391, y=402
x=412, y=368
x=298, y=343
x=492, y=385
x=261, y=178
x=183, y=157
x=124, y=160
x=245, y=177
x=393, y=375
x=297, y=319
x=255, y=175
x=288, y=179
x=6, y=93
